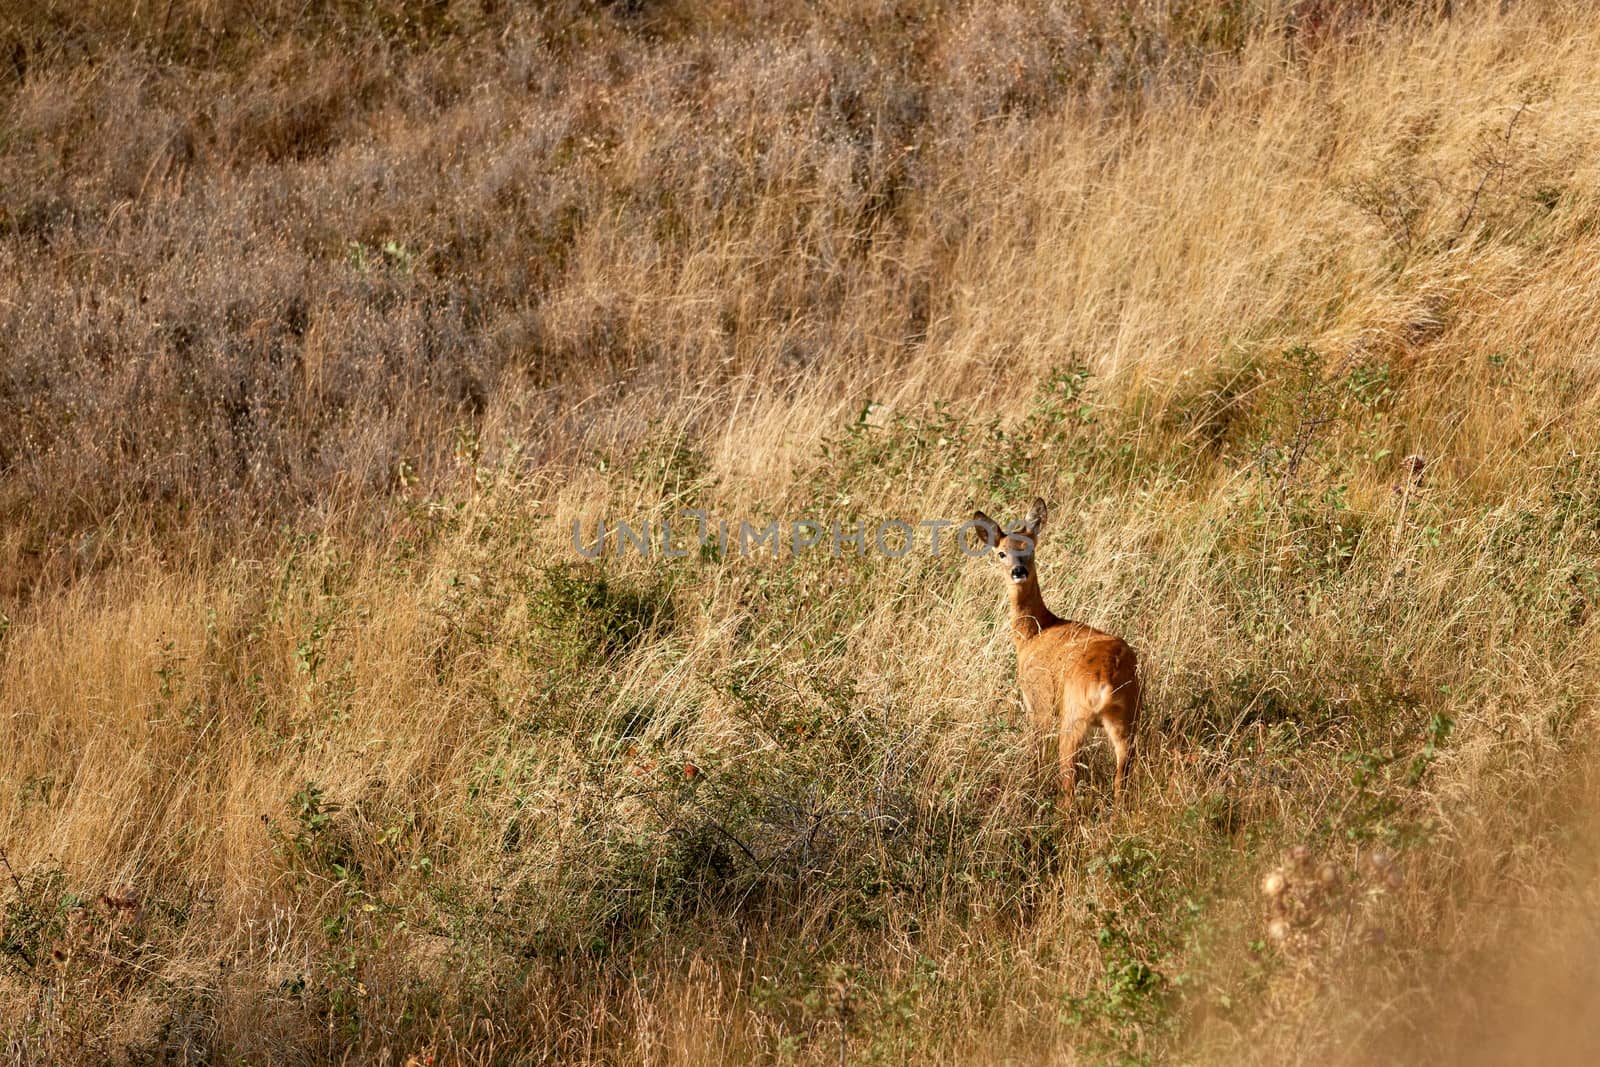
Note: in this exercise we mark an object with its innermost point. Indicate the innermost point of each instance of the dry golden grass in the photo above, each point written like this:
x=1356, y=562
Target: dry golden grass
x=323, y=744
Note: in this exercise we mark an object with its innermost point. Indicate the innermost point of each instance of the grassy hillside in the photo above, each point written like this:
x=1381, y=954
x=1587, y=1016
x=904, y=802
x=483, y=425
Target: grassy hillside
x=321, y=324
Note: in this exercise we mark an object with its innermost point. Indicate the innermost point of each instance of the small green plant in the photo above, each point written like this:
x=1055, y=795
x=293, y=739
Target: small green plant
x=34, y=918
x=311, y=811
x=580, y=615
x=1126, y=1001
x=1381, y=780
x=316, y=845
x=392, y=254
x=1046, y=435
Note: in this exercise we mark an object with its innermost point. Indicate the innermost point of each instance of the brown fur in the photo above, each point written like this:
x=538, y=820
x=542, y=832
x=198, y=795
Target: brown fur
x=1071, y=675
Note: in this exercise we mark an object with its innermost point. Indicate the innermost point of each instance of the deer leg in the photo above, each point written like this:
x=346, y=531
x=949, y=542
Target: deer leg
x=1073, y=732
x=1120, y=734
x=1040, y=731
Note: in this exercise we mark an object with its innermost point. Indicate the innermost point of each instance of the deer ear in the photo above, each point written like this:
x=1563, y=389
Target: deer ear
x=986, y=529
x=1035, y=520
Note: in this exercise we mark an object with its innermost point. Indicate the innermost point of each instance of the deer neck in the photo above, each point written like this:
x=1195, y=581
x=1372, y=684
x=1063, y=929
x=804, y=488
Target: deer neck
x=1029, y=616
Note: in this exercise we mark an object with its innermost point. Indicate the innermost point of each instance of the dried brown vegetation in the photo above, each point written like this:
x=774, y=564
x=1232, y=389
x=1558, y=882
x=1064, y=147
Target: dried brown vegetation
x=321, y=322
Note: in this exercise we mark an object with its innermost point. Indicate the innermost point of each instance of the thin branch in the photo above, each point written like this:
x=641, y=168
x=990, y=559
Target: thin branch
x=1495, y=166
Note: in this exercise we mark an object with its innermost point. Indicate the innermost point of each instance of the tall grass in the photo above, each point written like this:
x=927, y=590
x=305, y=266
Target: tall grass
x=321, y=331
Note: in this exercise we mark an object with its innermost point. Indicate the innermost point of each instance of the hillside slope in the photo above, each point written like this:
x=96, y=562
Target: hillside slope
x=321, y=326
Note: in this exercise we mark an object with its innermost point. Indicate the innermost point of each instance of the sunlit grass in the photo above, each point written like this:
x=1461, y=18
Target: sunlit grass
x=323, y=743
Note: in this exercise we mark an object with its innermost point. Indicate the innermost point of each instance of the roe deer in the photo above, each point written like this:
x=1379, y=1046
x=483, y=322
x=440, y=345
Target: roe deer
x=1071, y=675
